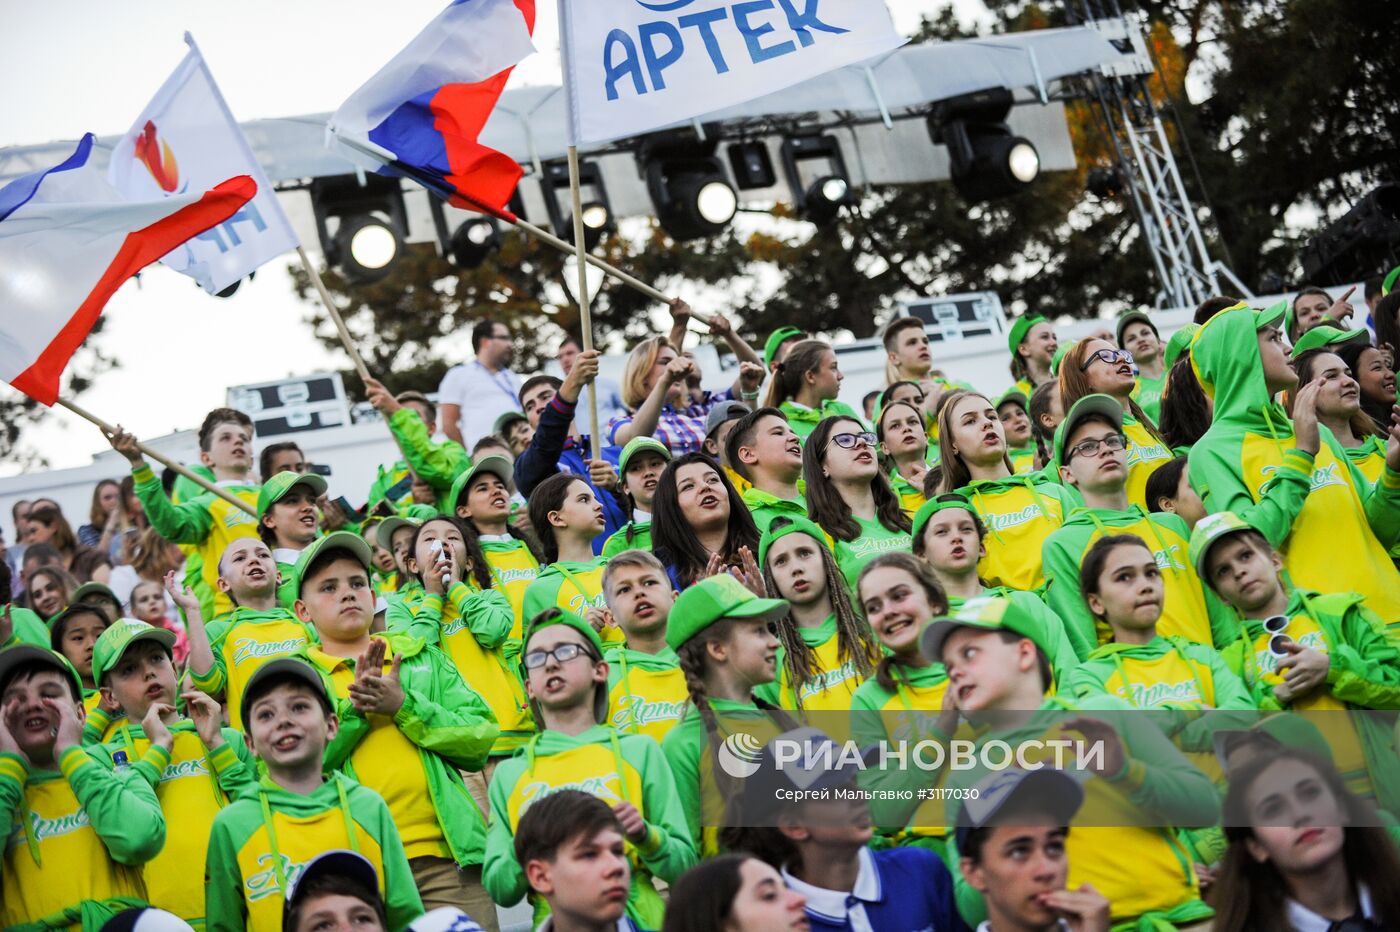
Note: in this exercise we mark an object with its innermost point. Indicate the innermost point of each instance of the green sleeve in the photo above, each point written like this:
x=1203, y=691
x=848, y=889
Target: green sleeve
x=1382, y=504
x=1063, y=656
x=233, y=766
x=401, y=900
x=1157, y=778
x=1234, y=709
x=487, y=613
x=122, y=808
x=1364, y=667
x=438, y=464
x=616, y=543
x=440, y=714
x=501, y=875
x=1225, y=627
x=669, y=848
x=1062, y=592
x=1085, y=681
x=96, y=723
x=213, y=681
x=682, y=748
x=186, y=523
x=1221, y=486
x=28, y=628
x=540, y=595
x=14, y=774
x=224, y=908
x=870, y=728
x=423, y=619
x=353, y=728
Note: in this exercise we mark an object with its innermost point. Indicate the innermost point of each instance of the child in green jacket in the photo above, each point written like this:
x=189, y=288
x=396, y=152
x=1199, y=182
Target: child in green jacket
x=567, y=516
x=566, y=678
x=408, y=723
x=639, y=466
x=260, y=842
x=1310, y=652
x=646, y=688
x=194, y=765
x=288, y=521
x=78, y=831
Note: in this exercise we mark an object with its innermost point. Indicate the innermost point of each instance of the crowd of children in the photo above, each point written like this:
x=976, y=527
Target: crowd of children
x=533, y=675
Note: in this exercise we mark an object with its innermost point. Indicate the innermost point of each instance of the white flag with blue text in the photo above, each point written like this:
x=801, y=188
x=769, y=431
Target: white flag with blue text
x=632, y=66
x=187, y=140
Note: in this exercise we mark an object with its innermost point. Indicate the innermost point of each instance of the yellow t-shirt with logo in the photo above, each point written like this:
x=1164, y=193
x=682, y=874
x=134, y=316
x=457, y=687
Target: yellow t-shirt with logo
x=571, y=587
x=644, y=701
x=1145, y=453
x=391, y=765
x=1017, y=521
x=833, y=682
x=513, y=568
x=247, y=643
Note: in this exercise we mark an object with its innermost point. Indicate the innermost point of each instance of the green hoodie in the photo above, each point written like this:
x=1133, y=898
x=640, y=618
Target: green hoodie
x=1148, y=395
x=77, y=837
x=262, y=841
x=615, y=768
x=634, y=535
x=804, y=420
x=1363, y=673
x=571, y=586
x=1169, y=673
x=449, y=726
x=25, y=627
x=1189, y=609
x=1158, y=881
x=1332, y=531
x=1019, y=512
x=1062, y=656
x=765, y=506
x=438, y=464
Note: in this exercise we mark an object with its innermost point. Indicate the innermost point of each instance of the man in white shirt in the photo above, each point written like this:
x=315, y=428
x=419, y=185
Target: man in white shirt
x=474, y=394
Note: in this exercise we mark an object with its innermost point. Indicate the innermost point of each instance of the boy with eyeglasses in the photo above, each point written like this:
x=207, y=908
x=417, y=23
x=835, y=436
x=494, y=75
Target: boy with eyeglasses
x=1091, y=455
x=567, y=681
x=1310, y=652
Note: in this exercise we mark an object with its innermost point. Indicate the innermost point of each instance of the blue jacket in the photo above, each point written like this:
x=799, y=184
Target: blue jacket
x=900, y=889
x=553, y=451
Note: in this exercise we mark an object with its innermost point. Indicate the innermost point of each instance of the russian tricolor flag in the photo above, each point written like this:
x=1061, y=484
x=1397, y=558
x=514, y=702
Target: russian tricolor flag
x=421, y=115
x=67, y=242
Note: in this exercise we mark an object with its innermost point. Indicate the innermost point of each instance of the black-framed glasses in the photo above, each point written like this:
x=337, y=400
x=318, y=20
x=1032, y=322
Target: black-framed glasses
x=849, y=441
x=1110, y=356
x=1091, y=447
x=563, y=654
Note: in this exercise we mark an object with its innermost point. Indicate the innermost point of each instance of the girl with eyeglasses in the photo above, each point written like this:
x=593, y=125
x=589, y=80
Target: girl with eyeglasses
x=907, y=699
x=726, y=640
x=849, y=497
x=567, y=680
x=457, y=607
x=904, y=441
x=950, y=538
x=1019, y=512
x=1305, y=854
x=1098, y=367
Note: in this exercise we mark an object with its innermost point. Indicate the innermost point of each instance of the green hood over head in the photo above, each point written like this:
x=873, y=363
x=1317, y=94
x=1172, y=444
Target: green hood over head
x=1225, y=358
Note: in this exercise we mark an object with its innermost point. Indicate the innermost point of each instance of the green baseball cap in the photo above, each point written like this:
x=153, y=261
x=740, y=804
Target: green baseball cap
x=340, y=540
x=504, y=421
x=1327, y=335
x=88, y=590
x=1178, y=344
x=795, y=524
x=113, y=642
x=714, y=598
x=498, y=466
x=1272, y=315
x=776, y=339
x=638, y=445
x=936, y=504
x=1089, y=405
x=23, y=655
x=987, y=613
x=1060, y=352
x=1019, y=328
x=1012, y=394
x=1389, y=283
x=384, y=533
x=556, y=616
x=1133, y=316
x=1208, y=531
x=279, y=667
x=57, y=622
x=281, y=485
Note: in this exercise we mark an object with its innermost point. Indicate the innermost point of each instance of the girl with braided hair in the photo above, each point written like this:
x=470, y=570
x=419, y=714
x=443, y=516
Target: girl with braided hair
x=825, y=650
x=726, y=640
x=907, y=699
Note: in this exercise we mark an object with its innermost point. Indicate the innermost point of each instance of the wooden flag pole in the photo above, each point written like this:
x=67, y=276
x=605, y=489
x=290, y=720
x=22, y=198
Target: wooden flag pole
x=360, y=368
x=584, y=304
x=165, y=461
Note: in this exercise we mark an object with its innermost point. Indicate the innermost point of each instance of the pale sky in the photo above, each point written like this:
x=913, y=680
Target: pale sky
x=92, y=65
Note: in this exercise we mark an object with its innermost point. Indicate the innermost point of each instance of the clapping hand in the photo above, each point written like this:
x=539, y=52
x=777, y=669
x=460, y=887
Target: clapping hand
x=374, y=690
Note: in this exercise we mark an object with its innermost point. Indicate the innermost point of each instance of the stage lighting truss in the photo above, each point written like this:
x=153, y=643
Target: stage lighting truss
x=370, y=224
x=597, y=211
x=986, y=159
x=816, y=172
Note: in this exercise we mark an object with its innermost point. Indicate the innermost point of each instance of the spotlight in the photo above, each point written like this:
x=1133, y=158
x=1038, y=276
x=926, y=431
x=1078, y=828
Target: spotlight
x=371, y=224
x=1363, y=240
x=474, y=242
x=987, y=161
x=1104, y=183
x=820, y=201
x=597, y=210
x=752, y=165
x=692, y=196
